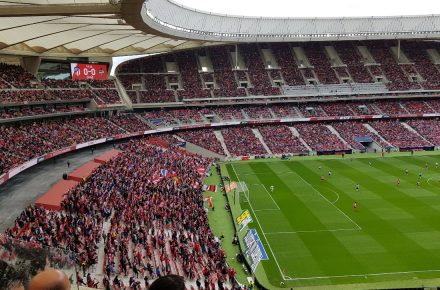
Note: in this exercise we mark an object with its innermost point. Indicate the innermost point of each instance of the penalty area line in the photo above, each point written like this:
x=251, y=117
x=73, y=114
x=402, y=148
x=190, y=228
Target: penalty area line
x=261, y=228
x=363, y=275
x=312, y=231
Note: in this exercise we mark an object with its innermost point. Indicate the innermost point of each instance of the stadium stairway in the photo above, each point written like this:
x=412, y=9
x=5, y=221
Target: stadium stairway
x=403, y=108
x=378, y=110
x=336, y=133
x=429, y=106
x=272, y=113
x=414, y=131
x=123, y=94
x=220, y=138
x=260, y=137
x=296, y=133
x=372, y=130
x=246, y=116
x=298, y=112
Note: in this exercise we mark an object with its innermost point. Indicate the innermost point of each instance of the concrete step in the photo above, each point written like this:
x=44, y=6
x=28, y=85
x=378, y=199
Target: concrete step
x=372, y=130
x=220, y=138
x=336, y=133
x=296, y=133
x=260, y=137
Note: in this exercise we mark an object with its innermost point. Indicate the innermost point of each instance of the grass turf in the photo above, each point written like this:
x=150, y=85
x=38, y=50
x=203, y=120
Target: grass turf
x=314, y=236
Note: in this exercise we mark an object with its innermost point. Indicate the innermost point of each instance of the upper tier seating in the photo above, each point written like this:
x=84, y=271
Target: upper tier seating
x=352, y=67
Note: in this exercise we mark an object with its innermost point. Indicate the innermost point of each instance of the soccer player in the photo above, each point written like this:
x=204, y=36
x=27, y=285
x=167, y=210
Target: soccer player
x=436, y=165
x=355, y=205
x=406, y=171
x=329, y=173
x=398, y=181
x=420, y=174
x=418, y=183
x=357, y=187
x=272, y=188
x=369, y=163
x=320, y=167
x=322, y=178
x=426, y=165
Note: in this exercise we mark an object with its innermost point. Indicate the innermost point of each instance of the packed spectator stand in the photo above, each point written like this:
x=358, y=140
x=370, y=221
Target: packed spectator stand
x=395, y=133
x=241, y=141
x=177, y=238
x=281, y=140
x=166, y=232
x=204, y=138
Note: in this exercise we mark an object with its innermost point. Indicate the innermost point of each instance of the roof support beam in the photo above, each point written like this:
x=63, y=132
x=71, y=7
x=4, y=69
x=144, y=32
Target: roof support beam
x=58, y=9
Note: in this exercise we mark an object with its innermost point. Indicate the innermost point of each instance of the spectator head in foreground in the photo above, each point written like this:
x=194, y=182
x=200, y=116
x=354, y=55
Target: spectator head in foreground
x=50, y=279
x=169, y=282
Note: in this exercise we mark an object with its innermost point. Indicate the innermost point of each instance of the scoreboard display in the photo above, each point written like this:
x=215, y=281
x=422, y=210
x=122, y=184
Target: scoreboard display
x=88, y=71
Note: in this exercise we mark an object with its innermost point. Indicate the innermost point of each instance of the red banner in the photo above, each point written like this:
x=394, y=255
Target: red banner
x=88, y=71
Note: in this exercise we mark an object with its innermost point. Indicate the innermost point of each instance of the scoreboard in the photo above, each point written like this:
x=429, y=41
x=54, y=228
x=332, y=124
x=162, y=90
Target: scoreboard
x=88, y=71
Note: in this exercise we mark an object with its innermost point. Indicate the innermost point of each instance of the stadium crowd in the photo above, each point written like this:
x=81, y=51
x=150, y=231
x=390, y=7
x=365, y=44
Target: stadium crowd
x=399, y=136
x=241, y=141
x=204, y=138
x=280, y=139
x=428, y=128
x=150, y=223
x=24, y=141
x=24, y=111
x=320, y=138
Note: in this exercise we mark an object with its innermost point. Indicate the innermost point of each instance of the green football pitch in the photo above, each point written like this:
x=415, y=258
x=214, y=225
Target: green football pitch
x=314, y=236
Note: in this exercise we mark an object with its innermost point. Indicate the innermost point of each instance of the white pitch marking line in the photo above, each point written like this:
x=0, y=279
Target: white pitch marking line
x=260, y=173
x=429, y=179
x=362, y=275
x=264, y=235
x=312, y=231
x=317, y=191
x=267, y=209
x=271, y=196
x=337, y=194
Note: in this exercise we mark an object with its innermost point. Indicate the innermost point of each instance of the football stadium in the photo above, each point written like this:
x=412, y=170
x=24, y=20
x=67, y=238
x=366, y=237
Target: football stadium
x=163, y=144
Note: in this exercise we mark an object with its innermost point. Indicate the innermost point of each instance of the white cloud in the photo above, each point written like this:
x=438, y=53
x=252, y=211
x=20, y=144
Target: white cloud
x=316, y=8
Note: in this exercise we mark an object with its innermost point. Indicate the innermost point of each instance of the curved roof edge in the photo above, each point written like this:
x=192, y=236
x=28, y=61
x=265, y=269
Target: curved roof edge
x=172, y=19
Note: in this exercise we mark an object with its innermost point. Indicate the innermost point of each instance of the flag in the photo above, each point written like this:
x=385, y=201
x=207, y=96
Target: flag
x=156, y=178
x=231, y=186
x=212, y=188
x=164, y=172
x=196, y=184
x=209, y=200
x=201, y=170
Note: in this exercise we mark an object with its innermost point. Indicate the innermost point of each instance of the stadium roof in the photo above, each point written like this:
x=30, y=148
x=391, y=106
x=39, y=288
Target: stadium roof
x=64, y=28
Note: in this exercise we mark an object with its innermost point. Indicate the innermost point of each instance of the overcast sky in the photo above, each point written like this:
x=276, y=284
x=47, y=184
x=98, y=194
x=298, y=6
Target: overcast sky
x=316, y=8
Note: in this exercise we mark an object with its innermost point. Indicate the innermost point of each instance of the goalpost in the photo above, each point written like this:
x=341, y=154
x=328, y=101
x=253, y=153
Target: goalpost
x=242, y=187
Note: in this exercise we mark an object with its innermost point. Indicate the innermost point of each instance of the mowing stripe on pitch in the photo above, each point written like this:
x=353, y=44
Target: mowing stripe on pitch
x=264, y=235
